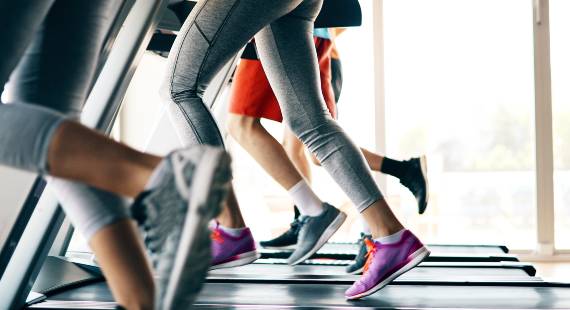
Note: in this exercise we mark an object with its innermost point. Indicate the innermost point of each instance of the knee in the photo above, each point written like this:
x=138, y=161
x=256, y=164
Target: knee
x=241, y=127
x=313, y=132
x=171, y=92
x=293, y=147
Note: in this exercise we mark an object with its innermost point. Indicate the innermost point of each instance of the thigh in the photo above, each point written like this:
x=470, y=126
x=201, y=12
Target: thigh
x=20, y=21
x=213, y=33
x=58, y=68
x=287, y=52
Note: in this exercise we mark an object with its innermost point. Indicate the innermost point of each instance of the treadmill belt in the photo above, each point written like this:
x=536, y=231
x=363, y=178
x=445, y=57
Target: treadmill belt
x=439, y=253
x=262, y=273
x=265, y=296
x=223, y=295
x=332, y=247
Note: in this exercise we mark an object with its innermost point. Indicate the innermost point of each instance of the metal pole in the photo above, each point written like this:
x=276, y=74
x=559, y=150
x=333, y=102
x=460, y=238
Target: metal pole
x=543, y=127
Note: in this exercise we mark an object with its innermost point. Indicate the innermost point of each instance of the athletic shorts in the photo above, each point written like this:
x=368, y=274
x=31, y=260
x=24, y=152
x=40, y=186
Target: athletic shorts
x=251, y=94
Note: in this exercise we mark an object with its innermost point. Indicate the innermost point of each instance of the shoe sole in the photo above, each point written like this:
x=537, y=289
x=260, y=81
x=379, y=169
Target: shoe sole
x=417, y=257
x=288, y=247
x=209, y=185
x=331, y=229
x=423, y=165
x=242, y=259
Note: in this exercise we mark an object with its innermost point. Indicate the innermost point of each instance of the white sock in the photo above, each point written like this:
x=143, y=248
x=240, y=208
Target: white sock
x=393, y=238
x=305, y=199
x=234, y=232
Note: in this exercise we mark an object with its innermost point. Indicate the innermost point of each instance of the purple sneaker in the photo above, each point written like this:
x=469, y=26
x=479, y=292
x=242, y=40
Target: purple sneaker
x=386, y=262
x=229, y=251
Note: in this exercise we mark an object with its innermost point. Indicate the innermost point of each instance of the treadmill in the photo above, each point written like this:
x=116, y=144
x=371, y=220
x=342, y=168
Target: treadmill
x=320, y=292
x=320, y=283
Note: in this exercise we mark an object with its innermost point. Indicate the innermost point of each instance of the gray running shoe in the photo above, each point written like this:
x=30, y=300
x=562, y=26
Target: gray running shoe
x=315, y=232
x=360, y=259
x=173, y=218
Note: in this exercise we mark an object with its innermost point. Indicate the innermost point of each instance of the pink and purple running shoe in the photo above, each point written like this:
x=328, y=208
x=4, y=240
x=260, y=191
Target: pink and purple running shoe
x=386, y=262
x=229, y=251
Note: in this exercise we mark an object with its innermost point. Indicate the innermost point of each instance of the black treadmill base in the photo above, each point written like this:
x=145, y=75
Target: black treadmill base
x=299, y=296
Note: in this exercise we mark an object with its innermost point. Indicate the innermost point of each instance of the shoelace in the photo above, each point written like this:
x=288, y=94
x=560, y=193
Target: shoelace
x=296, y=226
x=301, y=221
x=372, y=249
x=216, y=235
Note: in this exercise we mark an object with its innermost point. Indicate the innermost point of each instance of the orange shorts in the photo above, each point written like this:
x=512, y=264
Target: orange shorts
x=251, y=94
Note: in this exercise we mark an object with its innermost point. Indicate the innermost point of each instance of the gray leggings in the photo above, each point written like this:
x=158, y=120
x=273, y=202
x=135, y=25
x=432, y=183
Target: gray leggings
x=51, y=49
x=215, y=31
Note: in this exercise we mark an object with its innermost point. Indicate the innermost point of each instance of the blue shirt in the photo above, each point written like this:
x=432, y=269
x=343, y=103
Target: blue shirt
x=322, y=33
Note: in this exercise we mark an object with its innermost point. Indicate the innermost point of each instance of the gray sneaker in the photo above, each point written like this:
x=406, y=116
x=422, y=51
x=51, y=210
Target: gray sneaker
x=315, y=232
x=360, y=259
x=173, y=217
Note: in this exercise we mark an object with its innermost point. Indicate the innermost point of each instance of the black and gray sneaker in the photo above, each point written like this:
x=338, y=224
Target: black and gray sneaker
x=173, y=216
x=415, y=179
x=315, y=231
x=287, y=240
x=360, y=259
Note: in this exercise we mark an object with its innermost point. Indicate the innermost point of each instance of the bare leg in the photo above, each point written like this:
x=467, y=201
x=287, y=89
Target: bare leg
x=231, y=216
x=295, y=149
x=381, y=219
x=81, y=154
x=251, y=135
x=374, y=160
x=128, y=274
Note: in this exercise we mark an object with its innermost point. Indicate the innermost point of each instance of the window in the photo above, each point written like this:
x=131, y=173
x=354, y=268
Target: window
x=459, y=87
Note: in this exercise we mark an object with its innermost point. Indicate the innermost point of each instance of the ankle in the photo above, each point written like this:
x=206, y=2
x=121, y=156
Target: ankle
x=234, y=232
x=391, y=238
x=380, y=232
x=232, y=223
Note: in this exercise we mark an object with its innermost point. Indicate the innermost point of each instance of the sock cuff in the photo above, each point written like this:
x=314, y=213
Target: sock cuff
x=305, y=199
x=297, y=187
x=392, y=167
x=393, y=238
x=234, y=232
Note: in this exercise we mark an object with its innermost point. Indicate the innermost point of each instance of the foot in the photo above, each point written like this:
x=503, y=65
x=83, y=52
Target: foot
x=360, y=259
x=315, y=232
x=229, y=251
x=173, y=218
x=386, y=262
x=415, y=179
x=287, y=240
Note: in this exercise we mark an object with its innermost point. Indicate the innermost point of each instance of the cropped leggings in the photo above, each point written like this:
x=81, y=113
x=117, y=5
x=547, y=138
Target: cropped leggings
x=50, y=50
x=215, y=31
